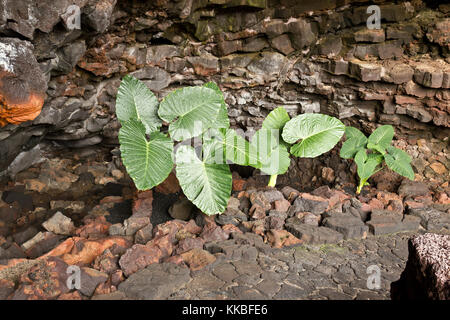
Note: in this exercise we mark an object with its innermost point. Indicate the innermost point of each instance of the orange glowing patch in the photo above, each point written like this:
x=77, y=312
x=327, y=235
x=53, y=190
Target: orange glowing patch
x=20, y=112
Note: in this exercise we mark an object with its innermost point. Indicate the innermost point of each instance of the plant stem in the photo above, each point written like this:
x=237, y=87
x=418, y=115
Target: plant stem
x=361, y=185
x=273, y=180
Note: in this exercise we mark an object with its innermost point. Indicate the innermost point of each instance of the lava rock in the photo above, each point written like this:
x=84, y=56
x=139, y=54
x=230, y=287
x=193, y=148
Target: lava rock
x=432, y=219
x=412, y=189
x=349, y=226
x=309, y=203
x=386, y=222
x=426, y=273
x=157, y=281
x=314, y=234
x=138, y=257
x=59, y=224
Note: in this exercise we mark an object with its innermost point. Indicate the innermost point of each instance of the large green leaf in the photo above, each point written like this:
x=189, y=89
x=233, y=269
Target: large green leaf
x=356, y=140
x=273, y=155
x=318, y=133
x=366, y=165
x=207, y=185
x=381, y=138
x=399, y=161
x=276, y=119
x=136, y=101
x=222, y=120
x=239, y=151
x=190, y=111
x=148, y=162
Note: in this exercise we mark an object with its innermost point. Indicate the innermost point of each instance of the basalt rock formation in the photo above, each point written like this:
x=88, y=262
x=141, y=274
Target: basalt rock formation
x=308, y=56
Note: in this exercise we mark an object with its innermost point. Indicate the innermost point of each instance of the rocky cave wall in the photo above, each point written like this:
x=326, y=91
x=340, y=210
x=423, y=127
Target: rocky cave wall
x=308, y=56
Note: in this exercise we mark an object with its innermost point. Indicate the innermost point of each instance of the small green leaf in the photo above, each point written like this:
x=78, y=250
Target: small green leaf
x=136, y=101
x=222, y=120
x=366, y=165
x=273, y=155
x=356, y=141
x=207, y=185
x=148, y=162
x=318, y=133
x=382, y=137
x=377, y=148
x=276, y=119
x=190, y=111
x=399, y=161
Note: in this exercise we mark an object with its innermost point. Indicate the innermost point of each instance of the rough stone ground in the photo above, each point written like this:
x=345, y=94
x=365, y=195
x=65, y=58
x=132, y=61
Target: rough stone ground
x=249, y=270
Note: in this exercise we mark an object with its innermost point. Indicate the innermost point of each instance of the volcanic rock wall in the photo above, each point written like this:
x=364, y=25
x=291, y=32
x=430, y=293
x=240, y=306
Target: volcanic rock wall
x=308, y=56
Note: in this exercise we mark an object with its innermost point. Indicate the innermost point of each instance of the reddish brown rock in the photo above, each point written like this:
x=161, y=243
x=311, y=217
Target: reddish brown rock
x=213, y=233
x=386, y=197
x=282, y=205
x=93, y=228
x=142, y=205
x=257, y=212
x=45, y=281
x=372, y=205
x=97, y=60
x=170, y=185
x=281, y=238
x=138, y=257
x=239, y=184
x=107, y=262
x=230, y=228
x=81, y=251
x=197, y=258
x=165, y=244
x=187, y=244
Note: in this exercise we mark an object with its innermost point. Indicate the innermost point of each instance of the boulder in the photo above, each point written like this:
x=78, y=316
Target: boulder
x=427, y=271
x=22, y=83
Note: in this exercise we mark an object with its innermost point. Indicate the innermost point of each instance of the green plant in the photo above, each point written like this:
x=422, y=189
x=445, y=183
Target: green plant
x=370, y=153
x=306, y=136
x=149, y=153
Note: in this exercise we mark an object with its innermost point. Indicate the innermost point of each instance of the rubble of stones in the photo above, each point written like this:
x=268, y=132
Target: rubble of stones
x=42, y=233
x=307, y=57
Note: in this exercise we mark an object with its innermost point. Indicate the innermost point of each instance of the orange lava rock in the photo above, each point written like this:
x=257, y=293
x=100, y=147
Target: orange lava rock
x=239, y=184
x=81, y=251
x=19, y=112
